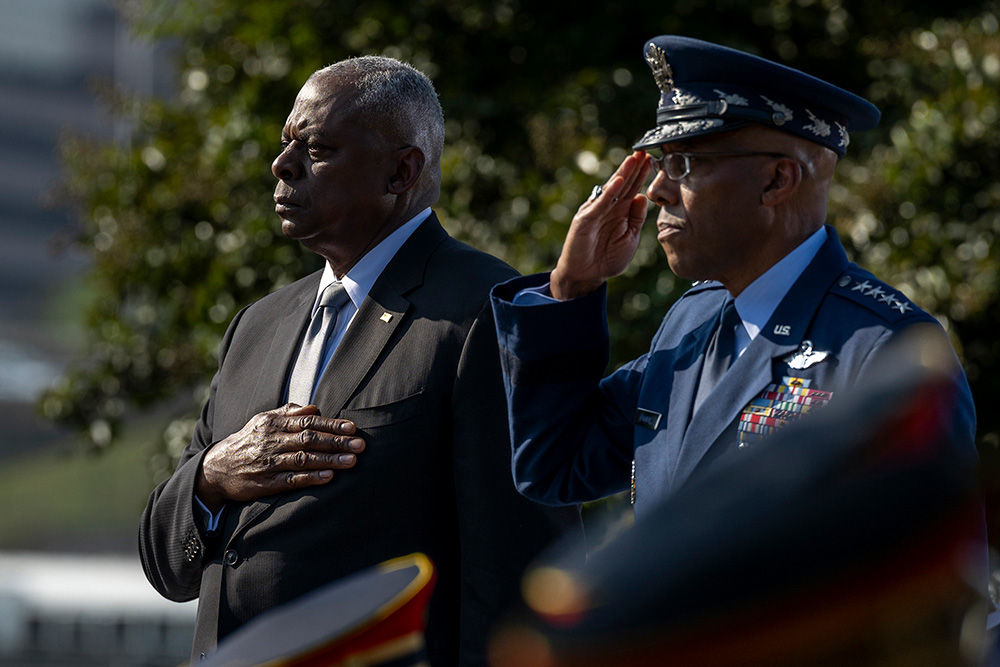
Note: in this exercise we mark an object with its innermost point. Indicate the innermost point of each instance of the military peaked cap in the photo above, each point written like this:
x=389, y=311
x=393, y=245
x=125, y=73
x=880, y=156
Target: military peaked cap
x=707, y=88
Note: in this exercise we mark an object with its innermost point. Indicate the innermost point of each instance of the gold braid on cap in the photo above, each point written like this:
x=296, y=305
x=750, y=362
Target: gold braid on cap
x=662, y=73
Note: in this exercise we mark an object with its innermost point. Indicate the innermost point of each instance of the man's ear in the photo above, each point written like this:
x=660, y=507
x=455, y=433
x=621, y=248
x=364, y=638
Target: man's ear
x=786, y=175
x=409, y=166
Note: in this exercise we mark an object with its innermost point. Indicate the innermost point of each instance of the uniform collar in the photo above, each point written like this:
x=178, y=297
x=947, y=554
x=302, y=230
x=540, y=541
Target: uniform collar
x=757, y=303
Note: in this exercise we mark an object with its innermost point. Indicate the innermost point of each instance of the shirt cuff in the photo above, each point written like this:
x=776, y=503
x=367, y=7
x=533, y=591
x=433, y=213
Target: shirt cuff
x=534, y=296
x=211, y=521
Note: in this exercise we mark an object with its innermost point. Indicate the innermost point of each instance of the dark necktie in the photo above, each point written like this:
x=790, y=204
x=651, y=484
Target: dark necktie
x=306, y=369
x=720, y=352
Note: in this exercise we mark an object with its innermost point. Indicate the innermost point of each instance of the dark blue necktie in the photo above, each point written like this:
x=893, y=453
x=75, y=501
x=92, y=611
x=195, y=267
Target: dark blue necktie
x=720, y=352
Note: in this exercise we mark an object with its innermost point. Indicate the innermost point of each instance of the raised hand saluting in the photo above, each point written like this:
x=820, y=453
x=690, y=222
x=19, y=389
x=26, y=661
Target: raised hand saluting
x=604, y=234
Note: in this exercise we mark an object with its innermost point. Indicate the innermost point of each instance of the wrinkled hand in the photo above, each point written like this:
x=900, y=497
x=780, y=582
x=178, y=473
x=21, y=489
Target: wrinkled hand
x=604, y=234
x=279, y=450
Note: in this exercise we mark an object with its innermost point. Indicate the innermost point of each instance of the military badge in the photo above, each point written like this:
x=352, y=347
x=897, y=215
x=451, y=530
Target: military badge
x=776, y=406
x=878, y=294
x=648, y=418
x=805, y=356
x=662, y=73
x=845, y=139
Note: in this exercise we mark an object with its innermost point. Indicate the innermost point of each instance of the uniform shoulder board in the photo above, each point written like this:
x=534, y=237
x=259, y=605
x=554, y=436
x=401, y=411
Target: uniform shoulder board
x=870, y=292
x=699, y=286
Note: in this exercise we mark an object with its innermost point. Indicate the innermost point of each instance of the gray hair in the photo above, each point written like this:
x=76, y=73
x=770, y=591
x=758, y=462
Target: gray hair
x=394, y=100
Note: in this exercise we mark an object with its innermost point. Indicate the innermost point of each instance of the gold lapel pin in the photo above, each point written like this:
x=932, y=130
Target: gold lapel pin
x=386, y=317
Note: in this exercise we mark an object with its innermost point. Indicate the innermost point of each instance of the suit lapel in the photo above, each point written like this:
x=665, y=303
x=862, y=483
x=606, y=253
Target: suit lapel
x=269, y=391
x=378, y=318
x=678, y=402
x=270, y=388
x=748, y=376
x=717, y=415
x=381, y=314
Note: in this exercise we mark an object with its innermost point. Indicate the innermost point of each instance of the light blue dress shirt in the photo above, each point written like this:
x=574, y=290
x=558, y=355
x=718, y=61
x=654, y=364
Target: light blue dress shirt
x=761, y=298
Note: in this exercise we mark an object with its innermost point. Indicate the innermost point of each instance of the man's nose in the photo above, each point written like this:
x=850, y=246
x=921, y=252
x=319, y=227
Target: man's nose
x=663, y=191
x=285, y=167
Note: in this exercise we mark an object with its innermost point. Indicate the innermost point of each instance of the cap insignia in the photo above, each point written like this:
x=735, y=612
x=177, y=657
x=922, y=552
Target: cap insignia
x=782, y=114
x=818, y=126
x=733, y=98
x=662, y=73
x=845, y=138
x=680, y=97
x=682, y=128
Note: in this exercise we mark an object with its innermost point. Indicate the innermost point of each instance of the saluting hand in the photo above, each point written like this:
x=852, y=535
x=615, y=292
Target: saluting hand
x=604, y=234
x=278, y=450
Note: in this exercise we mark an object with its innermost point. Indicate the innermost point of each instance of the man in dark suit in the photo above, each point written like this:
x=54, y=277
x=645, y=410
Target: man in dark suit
x=400, y=445
x=778, y=324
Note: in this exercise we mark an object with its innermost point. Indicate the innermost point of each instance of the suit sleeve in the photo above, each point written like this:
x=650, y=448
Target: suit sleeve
x=571, y=431
x=172, y=542
x=500, y=531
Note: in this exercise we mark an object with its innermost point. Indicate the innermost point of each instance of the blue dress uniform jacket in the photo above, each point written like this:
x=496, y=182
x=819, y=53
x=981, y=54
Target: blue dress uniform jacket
x=577, y=437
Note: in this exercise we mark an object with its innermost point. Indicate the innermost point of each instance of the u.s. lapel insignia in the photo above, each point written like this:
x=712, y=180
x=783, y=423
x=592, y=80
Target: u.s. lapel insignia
x=386, y=317
x=805, y=356
x=647, y=418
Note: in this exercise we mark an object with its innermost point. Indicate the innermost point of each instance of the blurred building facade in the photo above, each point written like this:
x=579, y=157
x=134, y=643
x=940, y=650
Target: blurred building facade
x=62, y=609
x=51, y=54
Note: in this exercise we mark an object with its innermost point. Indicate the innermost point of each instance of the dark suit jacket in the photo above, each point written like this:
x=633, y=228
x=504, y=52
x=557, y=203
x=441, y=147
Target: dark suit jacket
x=576, y=436
x=418, y=372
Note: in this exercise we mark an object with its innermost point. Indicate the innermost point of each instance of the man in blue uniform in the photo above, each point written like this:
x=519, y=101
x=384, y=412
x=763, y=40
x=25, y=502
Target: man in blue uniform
x=851, y=537
x=778, y=324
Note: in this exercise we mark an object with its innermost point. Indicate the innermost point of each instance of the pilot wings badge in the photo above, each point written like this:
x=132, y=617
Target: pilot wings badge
x=662, y=73
x=805, y=356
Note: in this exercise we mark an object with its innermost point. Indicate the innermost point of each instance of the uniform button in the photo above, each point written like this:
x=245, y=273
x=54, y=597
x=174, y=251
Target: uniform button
x=231, y=557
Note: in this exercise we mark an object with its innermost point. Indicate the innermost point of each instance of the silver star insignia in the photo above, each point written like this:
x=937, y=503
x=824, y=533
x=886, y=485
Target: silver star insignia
x=890, y=299
x=875, y=292
x=861, y=287
x=902, y=306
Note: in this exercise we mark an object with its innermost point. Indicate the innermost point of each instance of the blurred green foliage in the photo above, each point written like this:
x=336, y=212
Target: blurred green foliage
x=542, y=103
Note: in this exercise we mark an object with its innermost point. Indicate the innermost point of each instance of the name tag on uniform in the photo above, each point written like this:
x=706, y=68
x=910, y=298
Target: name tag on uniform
x=647, y=419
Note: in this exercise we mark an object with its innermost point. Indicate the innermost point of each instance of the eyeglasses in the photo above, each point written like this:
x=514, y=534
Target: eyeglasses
x=678, y=165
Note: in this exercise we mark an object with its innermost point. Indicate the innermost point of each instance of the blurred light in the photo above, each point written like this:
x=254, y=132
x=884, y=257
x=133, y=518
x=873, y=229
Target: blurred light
x=588, y=162
x=197, y=80
x=622, y=77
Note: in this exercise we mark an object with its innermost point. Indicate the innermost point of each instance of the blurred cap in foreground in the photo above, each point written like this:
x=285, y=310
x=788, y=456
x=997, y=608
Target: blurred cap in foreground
x=374, y=617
